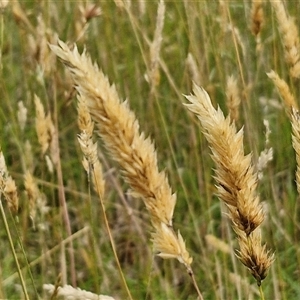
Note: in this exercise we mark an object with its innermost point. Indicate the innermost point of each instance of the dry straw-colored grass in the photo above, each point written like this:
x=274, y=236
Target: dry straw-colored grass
x=214, y=41
x=69, y=292
x=290, y=37
x=89, y=148
x=8, y=186
x=284, y=91
x=237, y=182
x=233, y=97
x=295, y=120
x=119, y=129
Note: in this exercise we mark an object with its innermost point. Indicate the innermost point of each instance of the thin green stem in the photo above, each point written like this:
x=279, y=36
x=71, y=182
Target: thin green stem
x=93, y=236
x=191, y=273
x=26, y=260
x=111, y=237
x=13, y=251
x=262, y=296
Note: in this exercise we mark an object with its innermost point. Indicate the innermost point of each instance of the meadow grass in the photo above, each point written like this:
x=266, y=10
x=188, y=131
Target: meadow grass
x=97, y=192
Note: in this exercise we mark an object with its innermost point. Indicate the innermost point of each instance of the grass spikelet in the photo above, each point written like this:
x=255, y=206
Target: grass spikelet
x=119, y=129
x=290, y=37
x=253, y=255
x=234, y=172
x=46, y=131
x=69, y=292
x=156, y=45
x=265, y=155
x=171, y=246
x=284, y=91
x=257, y=17
x=33, y=194
x=236, y=180
x=136, y=155
x=89, y=148
x=233, y=98
x=8, y=186
x=22, y=115
x=296, y=142
x=41, y=125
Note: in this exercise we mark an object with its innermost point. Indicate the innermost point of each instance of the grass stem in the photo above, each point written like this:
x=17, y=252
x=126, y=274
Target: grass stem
x=13, y=251
x=124, y=283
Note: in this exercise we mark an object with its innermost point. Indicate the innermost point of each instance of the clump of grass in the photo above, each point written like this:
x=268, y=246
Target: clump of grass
x=152, y=51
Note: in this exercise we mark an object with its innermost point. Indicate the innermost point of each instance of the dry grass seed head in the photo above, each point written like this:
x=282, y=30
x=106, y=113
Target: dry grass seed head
x=155, y=46
x=84, y=118
x=233, y=97
x=91, y=161
x=8, y=186
x=69, y=292
x=284, y=91
x=234, y=173
x=22, y=115
x=253, y=255
x=32, y=192
x=41, y=125
x=290, y=37
x=295, y=119
x=119, y=129
x=168, y=245
x=257, y=17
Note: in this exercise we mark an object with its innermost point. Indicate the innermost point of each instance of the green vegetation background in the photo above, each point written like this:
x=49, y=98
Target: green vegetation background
x=119, y=43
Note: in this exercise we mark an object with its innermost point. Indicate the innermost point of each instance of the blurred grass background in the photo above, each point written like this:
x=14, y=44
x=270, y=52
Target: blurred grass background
x=217, y=34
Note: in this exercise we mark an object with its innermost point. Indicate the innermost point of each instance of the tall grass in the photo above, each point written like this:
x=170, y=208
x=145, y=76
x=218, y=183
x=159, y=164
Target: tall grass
x=71, y=206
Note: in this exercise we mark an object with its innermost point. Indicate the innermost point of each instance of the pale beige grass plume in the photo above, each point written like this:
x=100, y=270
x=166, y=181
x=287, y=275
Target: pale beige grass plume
x=237, y=181
x=284, y=91
x=89, y=148
x=290, y=37
x=233, y=97
x=119, y=129
x=257, y=17
x=42, y=124
x=257, y=22
x=33, y=194
x=295, y=120
x=154, y=76
x=67, y=292
x=8, y=186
